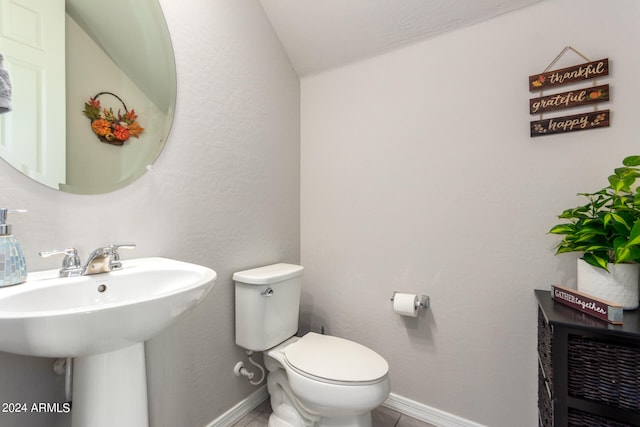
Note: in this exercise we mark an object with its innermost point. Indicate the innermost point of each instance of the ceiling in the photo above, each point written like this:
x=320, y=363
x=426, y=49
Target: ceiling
x=322, y=34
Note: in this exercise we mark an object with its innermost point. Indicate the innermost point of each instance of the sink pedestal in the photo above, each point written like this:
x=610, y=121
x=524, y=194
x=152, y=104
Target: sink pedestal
x=110, y=389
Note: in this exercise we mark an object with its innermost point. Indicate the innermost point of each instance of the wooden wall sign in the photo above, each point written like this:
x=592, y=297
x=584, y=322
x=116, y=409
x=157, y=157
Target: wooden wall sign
x=586, y=121
x=575, y=98
x=589, y=70
x=601, y=309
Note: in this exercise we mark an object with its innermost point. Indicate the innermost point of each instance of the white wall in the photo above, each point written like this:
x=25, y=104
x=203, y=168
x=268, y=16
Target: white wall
x=225, y=194
x=419, y=175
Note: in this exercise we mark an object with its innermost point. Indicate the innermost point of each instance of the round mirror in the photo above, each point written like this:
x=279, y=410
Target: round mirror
x=93, y=90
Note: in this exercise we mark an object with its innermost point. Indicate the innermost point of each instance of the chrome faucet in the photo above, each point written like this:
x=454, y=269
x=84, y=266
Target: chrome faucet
x=101, y=260
x=105, y=259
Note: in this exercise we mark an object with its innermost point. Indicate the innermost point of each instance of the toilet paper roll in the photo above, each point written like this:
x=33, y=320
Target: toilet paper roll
x=405, y=304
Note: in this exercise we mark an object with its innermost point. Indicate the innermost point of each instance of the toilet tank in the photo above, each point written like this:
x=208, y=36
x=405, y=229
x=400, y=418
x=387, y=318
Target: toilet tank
x=267, y=305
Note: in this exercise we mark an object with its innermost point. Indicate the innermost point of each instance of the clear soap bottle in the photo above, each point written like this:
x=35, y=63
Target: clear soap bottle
x=13, y=268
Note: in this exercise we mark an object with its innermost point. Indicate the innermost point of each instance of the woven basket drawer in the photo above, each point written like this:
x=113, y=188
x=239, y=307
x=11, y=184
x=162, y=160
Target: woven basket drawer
x=583, y=419
x=604, y=372
x=544, y=345
x=545, y=407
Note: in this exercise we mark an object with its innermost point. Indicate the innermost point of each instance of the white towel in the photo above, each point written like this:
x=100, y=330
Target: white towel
x=5, y=89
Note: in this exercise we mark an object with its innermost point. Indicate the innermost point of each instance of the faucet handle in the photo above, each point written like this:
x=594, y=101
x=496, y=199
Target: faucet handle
x=71, y=265
x=69, y=253
x=115, y=257
x=123, y=246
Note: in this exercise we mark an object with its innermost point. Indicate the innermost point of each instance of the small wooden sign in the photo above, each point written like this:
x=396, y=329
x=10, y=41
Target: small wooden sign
x=576, y=122
x=601, y=309
x=574, y=98
x=588, y=70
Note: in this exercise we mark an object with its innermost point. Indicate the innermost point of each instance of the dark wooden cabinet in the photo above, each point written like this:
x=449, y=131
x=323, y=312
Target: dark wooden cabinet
x=588, y=370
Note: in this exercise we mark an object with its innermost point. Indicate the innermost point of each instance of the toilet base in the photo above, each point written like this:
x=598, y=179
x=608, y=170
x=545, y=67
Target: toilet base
x=288, y=412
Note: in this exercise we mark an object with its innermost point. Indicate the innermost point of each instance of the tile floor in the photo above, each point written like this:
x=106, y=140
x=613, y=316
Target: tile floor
x=382, y=417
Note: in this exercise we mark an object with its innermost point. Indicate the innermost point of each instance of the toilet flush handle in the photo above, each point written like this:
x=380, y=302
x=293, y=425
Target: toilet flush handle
x=267, y=292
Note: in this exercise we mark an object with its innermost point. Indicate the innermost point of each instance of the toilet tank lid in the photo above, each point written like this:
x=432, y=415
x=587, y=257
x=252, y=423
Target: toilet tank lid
x=269, y=274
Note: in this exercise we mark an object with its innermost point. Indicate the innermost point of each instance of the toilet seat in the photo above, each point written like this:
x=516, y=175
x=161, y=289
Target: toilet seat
x=335, y=360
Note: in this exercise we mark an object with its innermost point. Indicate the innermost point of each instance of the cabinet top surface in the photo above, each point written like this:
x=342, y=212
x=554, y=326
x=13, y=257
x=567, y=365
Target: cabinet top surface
x=560, y=314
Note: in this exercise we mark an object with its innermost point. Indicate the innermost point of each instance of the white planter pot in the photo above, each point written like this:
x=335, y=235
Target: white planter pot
x=619, y=285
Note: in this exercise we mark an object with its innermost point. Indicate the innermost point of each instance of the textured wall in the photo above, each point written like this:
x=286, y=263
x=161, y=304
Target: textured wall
x=419, y=175
x=225, y=194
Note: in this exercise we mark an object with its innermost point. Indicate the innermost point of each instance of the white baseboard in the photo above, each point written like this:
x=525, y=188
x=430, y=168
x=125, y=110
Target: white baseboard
x=234, y=414
x=398, y=403
x=426, y=413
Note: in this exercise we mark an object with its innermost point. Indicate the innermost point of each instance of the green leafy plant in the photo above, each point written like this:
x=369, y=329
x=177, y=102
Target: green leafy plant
x=607, y=228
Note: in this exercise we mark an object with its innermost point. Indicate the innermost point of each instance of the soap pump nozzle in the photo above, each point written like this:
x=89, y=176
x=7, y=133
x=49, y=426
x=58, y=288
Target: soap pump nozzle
x=5, y=228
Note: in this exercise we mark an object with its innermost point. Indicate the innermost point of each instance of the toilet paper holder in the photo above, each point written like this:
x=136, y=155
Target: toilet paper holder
x=422, y=302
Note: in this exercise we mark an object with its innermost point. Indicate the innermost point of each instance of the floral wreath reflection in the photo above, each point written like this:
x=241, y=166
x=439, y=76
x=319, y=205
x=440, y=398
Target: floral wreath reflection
x=112, y=128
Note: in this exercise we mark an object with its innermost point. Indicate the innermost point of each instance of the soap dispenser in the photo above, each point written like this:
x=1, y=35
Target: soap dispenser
x=13, y=268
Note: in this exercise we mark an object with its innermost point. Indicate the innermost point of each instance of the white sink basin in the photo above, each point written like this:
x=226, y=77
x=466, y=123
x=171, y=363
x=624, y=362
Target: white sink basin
x=80, y=316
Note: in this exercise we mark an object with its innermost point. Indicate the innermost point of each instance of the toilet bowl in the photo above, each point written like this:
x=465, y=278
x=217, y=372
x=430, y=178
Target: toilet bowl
x=314, y=380
x=335, y=381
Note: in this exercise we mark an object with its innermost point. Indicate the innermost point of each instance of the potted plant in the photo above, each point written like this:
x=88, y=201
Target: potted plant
x=606, y=230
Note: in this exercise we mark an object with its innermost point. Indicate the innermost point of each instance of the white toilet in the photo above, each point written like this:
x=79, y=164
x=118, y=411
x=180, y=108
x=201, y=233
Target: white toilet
x=314, y=380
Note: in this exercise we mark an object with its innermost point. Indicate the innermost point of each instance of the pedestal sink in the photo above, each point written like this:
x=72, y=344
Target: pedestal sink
x=102, y=321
